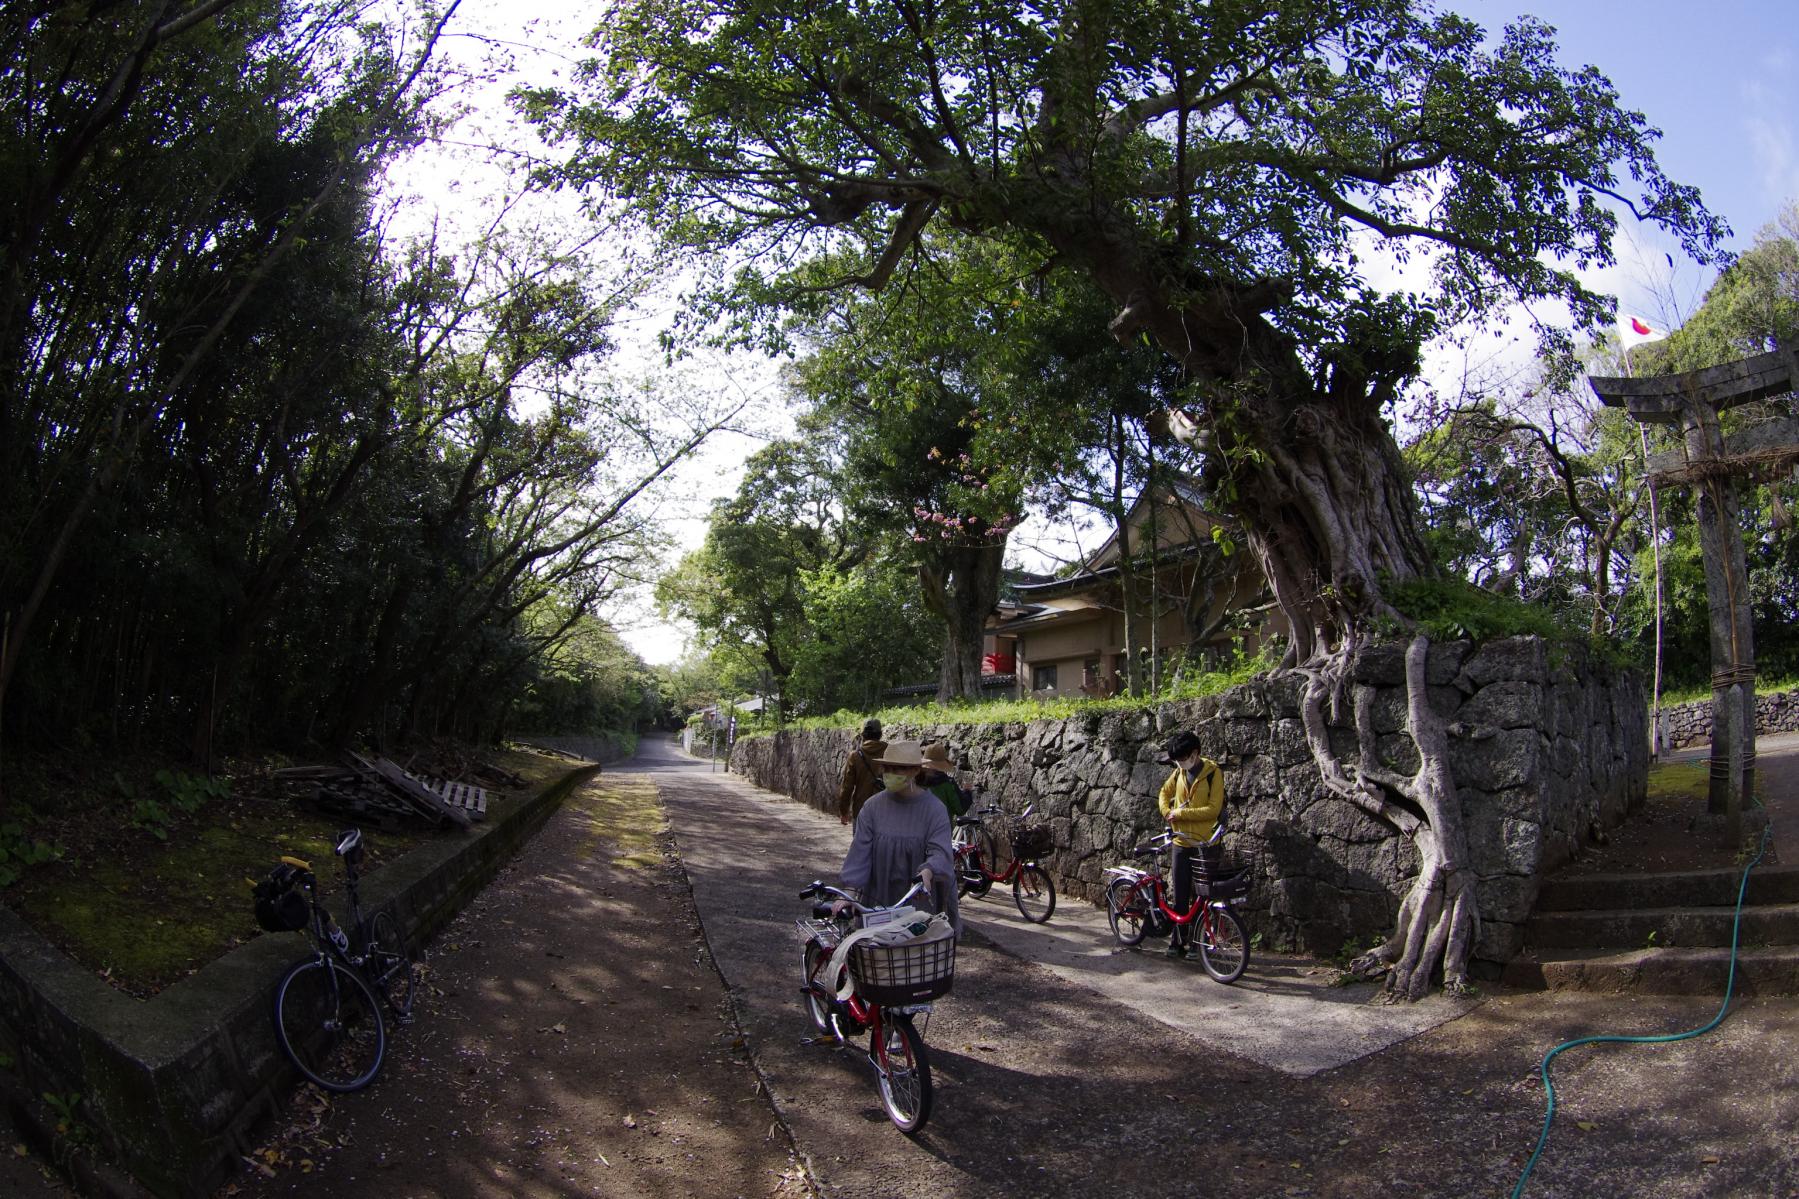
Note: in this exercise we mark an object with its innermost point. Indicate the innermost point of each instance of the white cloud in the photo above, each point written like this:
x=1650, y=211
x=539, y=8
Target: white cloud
x=1768, y=123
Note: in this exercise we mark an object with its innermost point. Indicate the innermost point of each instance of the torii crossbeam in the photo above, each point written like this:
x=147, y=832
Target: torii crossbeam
x=1710, y=463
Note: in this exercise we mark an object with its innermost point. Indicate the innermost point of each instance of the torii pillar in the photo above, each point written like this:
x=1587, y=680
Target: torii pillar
x=1710, y=463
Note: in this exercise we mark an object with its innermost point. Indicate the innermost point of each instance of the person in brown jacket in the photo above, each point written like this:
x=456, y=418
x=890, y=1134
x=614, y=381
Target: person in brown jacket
x=861, y=776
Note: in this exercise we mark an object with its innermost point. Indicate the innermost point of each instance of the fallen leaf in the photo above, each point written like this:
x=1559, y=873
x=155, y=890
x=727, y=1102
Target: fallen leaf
x=1585, y=1125
x=1711, y=1159
x=21, y=1151
x=630, y=1121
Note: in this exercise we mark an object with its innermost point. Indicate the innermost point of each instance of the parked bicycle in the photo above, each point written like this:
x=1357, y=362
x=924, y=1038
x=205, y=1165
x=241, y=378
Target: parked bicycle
x=327, y=1016
x=894, y=985
x=1137, y=905
x=977, y=861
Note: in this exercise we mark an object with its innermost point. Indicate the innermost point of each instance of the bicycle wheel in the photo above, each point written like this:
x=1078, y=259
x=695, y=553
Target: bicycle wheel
x=390, y=968
x=817, y=1006
x=1223, y=945
x=1034, y=894
x=970, y=878
x=1127, y=910
x=982, y=860
x=905, y=1073
x=329, y=1025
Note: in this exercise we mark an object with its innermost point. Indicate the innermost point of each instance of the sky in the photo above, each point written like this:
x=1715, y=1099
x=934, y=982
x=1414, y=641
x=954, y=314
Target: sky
x=1719, y=79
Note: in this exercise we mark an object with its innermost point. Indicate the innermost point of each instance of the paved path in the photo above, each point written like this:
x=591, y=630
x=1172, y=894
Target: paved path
x=1283, y=1014
x=1063, y=1068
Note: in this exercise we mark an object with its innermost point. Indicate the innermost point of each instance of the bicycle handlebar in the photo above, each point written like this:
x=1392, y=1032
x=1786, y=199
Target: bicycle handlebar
x=822, y=888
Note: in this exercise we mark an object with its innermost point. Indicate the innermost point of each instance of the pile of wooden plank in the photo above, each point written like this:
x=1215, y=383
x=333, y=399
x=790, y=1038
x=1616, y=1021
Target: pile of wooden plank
x=376, y=792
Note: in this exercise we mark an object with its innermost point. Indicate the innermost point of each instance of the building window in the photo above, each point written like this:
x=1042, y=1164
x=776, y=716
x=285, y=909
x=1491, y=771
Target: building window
x=1043, y=678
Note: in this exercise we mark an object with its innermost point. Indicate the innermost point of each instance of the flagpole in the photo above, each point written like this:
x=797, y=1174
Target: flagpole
x=1655, y=543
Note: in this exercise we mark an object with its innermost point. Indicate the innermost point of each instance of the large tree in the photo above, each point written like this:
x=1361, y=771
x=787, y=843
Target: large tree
x=1226, y=171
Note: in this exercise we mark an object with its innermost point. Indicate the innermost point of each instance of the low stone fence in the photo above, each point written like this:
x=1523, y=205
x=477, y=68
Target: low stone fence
x=1549, y=746
x=1690, y=724
x=173, y=1087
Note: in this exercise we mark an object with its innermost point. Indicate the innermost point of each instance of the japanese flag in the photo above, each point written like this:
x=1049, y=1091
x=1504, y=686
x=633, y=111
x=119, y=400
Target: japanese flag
x=1634, y=330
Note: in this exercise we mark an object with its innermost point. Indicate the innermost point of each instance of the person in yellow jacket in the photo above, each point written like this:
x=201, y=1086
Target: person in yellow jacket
x=1191, y=802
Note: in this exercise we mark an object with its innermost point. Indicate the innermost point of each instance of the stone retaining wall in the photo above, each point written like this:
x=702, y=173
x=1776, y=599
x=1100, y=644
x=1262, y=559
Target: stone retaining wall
x=173, y=1086
x=1550, y=745
x=1690, y=724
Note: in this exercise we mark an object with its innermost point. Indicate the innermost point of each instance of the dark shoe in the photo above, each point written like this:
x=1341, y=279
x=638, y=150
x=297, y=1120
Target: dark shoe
x=1173, y=950
x=1193, y=953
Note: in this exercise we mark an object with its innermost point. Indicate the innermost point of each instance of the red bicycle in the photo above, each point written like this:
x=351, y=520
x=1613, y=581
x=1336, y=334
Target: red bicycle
x=1137, y=906
x=977, y=855
x=894, y=984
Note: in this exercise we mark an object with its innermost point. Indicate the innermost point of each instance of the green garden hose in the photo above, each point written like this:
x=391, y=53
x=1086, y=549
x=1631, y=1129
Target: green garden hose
x=1729, y=985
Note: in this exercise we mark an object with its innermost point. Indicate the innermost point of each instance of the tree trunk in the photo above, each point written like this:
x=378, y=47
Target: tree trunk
x=961, y=586
x=1303, y=459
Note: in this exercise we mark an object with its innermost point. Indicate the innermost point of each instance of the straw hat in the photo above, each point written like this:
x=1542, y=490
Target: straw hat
x=901, y=753
x=936, y=756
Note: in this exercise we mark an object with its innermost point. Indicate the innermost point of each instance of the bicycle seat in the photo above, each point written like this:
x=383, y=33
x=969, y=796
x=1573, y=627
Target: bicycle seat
x=966, y=822
x=348, y=842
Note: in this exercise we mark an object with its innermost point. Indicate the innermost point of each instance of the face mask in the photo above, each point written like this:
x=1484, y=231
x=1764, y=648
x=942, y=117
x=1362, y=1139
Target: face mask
x=895, y=782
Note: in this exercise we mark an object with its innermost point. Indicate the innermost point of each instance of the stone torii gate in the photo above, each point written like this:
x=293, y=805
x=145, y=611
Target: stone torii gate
x=1710, y=463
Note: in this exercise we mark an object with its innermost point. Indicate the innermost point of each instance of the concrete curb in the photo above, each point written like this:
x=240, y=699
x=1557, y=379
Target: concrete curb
x=173, y=1086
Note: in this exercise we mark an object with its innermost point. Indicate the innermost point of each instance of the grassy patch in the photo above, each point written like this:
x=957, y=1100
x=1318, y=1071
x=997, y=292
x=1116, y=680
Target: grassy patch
x=145, y=906
x=1452, y=609
x=1009, y=711
x=622, y=813
x=1678, y=781
x=1687, y=695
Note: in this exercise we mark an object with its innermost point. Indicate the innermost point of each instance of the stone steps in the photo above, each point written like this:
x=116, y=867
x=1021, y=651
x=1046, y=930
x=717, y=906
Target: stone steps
x=1648, y=928
x=1663, y=933
x=1687, y=888
x=1671, y=971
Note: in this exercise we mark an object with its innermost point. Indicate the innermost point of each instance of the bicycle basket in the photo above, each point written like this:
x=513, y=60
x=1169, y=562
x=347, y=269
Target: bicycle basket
x=910, y=972
x=1229, y=886
x=1031, y=840
x=1208, y=862
x=280, y=908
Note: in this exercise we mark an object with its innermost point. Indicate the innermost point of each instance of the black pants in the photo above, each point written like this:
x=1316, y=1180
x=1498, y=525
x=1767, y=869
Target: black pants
x=1182, y=866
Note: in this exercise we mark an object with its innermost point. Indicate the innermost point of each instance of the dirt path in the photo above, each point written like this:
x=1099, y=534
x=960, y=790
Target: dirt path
x=575, y=1041
x=579, y=1042
x=1048, y=1087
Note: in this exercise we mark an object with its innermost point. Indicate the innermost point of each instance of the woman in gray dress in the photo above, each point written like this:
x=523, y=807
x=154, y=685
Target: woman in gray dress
x=902, y=831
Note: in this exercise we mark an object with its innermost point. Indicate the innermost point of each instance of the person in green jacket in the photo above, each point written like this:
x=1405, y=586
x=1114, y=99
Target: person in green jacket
x=939, y=778
x=1190, y=801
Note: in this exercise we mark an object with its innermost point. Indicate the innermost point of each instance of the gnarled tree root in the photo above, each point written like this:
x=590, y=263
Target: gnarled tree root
x=1439, y=917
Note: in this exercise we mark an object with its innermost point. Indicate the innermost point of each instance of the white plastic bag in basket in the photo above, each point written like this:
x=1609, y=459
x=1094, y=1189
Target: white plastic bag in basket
x=896, y=931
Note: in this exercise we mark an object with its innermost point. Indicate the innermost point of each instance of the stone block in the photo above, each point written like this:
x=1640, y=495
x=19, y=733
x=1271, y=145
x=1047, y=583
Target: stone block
x=1505, y=897
x=1507, y=704
x=1243, y=701
x=1498, y=940
x=1255, y=776
x=1380, y=665
x=1513, y=658
x=1287, y=742
x=1444, y=665
x=1245, y=737
x=1510, y=758
x=1398, y=752
x=1388, y=709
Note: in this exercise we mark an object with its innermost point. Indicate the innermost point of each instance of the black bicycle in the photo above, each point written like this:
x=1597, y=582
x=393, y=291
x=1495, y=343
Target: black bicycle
x=327, y=1015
